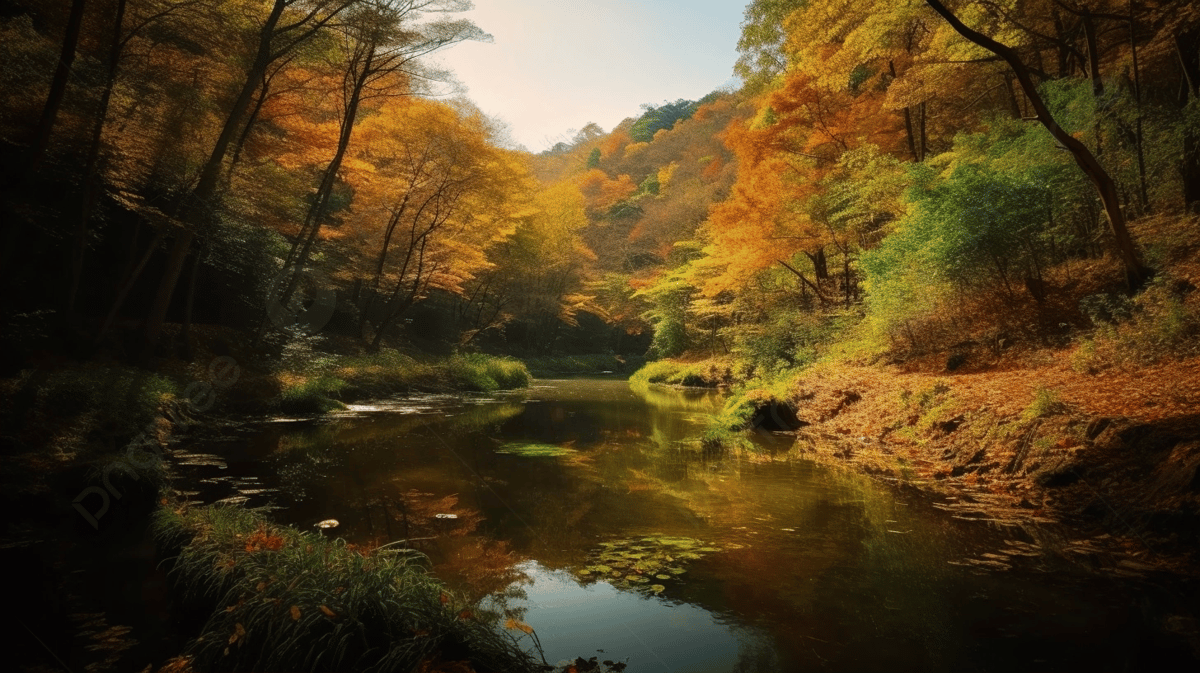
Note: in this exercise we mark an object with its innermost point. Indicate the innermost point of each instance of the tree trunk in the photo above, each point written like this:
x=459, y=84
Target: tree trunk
x=188, y=350
x=79, y=247
x=908, y=124
x=199, y=205
x=1139, y=139
x=58, y=89
x=312, y=222
x=206, y=186
x=1013, y=102
x=263, y=92
x=924, y=146
x=1189, y=59
x=166, y=289
x=126, y=286
x=820, y=264
x=1135, y=272
x=1093, y=53
x=800, y=275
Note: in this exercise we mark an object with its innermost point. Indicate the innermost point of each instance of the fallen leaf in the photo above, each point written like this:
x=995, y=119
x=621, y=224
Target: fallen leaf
x=328, y=613
x=515, y=625
x=295, y=612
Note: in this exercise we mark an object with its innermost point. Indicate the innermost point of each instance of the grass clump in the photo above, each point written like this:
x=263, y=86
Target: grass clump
x=281, y=599
x=318, y=388
x=1045, y=403
x=316, y=395
x=669, y=372
x=485, y=373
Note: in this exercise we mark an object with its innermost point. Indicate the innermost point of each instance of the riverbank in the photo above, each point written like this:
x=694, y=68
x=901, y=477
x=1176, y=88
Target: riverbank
x=1113, y=457
x=1109, y=459
x=84, y=464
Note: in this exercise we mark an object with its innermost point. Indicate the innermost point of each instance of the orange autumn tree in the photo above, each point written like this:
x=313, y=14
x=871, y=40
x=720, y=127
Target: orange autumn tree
x=536, y=283
x=782, y=154
x=431, y=194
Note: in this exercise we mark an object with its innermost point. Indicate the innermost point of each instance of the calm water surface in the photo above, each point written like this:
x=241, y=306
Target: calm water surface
x=782, y=565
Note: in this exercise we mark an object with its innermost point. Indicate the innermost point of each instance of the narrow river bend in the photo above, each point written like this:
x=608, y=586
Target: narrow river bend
x=590, y=512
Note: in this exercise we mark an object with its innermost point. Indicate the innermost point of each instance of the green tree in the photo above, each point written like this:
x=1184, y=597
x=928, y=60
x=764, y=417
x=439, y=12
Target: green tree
x=761, y=44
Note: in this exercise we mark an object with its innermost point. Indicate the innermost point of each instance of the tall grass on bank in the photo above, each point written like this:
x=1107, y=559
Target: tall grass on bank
x=318, y=389
x=669, y=372
x=755, y=401
x=315, y=395
x=282, y=599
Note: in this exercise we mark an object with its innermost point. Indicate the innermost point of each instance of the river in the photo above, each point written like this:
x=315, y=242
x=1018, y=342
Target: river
x=591, y=513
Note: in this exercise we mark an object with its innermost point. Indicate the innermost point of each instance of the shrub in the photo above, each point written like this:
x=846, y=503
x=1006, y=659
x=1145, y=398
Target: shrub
x=670, y=339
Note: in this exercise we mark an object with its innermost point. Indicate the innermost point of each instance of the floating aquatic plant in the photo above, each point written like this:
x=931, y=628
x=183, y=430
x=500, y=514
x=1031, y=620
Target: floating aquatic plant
x=632, y=563
x=534, y=449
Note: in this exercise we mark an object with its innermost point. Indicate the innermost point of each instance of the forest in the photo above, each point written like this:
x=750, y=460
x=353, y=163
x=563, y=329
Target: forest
x=950, y=244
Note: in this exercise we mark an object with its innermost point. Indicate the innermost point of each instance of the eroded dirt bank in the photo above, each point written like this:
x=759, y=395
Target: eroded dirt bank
x=1110, y=461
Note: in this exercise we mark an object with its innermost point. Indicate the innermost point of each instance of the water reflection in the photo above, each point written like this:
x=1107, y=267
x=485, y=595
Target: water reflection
x=651, y=633
x=816, y=568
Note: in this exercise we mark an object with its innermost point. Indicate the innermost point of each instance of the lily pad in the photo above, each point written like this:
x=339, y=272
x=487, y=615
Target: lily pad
x=657, y=588
x=631, y=563
x=534, y=449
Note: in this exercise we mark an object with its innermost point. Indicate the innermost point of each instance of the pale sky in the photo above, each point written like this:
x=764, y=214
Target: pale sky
x=556, y=65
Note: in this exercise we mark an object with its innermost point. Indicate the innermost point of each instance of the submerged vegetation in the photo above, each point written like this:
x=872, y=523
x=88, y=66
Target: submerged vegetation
x=534, y=450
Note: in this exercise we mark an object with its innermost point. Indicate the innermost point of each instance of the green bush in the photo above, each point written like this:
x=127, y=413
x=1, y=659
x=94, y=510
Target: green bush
x=670, y=339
